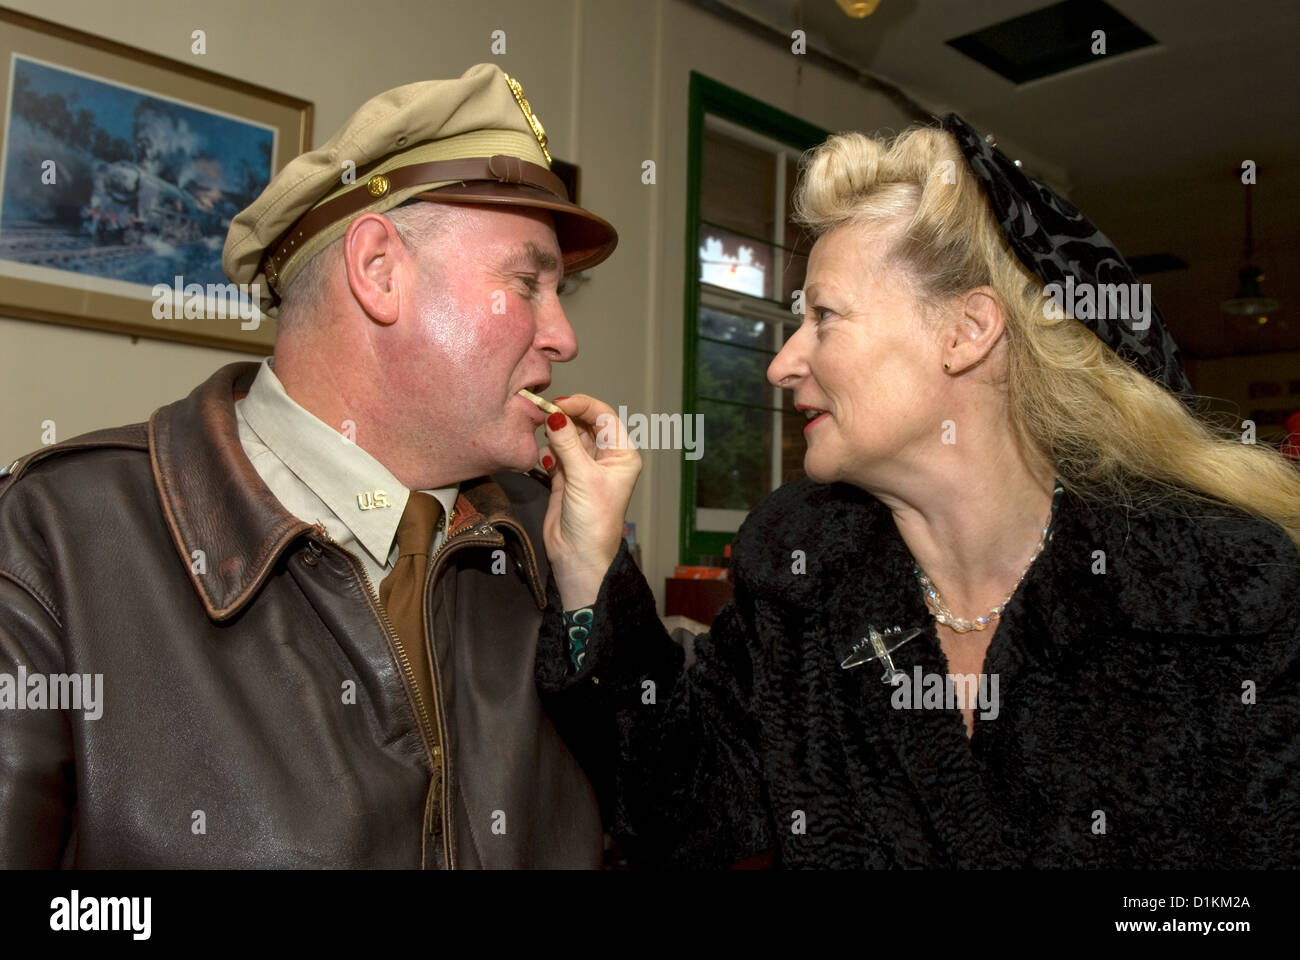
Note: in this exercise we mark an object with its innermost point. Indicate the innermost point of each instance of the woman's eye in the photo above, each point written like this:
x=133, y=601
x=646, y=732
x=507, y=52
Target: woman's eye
x=821, y=313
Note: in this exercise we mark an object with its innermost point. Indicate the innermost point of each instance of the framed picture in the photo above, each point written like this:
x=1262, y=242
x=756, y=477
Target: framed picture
x=120, y=171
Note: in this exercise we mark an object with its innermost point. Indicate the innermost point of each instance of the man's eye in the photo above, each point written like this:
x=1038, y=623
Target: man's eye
x=821, y=313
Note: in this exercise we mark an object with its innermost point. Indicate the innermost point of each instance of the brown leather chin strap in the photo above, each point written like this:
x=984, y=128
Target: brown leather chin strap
x=500, y=169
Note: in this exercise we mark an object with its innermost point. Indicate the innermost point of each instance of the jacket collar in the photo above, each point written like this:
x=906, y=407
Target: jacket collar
x=485, y=508
x=229, y=528
x=1166, y=567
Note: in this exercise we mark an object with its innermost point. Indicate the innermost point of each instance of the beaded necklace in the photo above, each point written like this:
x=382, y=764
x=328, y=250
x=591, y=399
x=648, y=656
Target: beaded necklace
x=941, y=612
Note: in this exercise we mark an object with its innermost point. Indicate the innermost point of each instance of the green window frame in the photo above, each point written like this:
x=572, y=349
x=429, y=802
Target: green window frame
x=709, y=97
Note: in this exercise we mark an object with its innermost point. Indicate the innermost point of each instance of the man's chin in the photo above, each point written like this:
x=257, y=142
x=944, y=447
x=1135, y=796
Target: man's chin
x=523, y=461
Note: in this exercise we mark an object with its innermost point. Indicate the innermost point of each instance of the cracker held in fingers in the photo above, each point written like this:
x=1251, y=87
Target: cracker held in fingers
x=540, y=401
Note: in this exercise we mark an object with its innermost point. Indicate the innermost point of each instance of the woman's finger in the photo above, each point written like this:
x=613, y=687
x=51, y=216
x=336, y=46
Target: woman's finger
x=607, y=430
x=566, y=444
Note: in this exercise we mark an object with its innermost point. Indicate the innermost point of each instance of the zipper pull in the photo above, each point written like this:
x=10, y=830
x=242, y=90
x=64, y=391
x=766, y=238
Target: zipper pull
x=315, y=550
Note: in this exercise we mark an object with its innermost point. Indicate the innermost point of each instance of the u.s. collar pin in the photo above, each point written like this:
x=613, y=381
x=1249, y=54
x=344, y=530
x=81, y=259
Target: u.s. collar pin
x=878, y=646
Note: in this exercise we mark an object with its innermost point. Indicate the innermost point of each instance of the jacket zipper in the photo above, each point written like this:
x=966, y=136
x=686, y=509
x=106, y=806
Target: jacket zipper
x=422, y=712
x=439, y=759
x=434, y=753
x=453, y=542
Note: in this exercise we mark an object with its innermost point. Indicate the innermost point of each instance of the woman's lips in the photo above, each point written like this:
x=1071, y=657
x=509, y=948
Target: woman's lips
x=815, y=415
x=813, y=422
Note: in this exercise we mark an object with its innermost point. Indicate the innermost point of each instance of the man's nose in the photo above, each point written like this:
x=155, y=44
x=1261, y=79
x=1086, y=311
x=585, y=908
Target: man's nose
x=555, y=336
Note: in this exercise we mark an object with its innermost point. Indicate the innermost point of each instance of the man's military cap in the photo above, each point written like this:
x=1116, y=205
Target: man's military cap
x=470, y=140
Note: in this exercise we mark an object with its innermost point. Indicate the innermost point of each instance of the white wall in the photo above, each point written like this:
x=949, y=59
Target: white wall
x=609, y=80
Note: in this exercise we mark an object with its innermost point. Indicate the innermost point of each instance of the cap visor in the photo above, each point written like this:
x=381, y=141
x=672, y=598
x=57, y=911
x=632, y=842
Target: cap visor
x=585, y=239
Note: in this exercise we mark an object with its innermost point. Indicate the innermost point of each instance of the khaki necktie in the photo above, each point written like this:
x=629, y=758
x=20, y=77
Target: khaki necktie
x=402, y=591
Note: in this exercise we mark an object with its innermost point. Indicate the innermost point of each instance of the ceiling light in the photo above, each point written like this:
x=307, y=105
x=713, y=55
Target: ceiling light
x=1249, y=300
x=857, y=9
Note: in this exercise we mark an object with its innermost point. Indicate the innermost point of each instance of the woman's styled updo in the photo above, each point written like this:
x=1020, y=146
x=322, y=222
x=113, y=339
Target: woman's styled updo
x=1112, y=433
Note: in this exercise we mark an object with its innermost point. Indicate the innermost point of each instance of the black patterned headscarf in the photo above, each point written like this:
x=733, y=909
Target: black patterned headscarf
x=1060, y=245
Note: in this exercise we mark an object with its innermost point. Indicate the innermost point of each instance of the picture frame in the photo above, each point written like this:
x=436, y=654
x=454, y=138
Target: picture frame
x=120, y=170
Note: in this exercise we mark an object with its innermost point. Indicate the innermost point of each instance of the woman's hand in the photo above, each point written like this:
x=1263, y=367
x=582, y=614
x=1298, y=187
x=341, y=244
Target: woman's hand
x=593, y=468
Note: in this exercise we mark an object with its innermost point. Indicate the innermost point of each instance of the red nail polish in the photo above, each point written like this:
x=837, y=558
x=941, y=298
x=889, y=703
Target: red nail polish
x=558, y=399
x=556, y=421
x=547, y=462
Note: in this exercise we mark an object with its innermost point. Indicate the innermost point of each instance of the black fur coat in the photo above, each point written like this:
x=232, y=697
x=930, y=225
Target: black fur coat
x=1147, y=716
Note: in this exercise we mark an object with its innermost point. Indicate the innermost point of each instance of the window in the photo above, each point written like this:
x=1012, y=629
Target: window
x=745, y=260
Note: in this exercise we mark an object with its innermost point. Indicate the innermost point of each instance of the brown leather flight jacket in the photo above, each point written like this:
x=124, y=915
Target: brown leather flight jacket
x=257, y=709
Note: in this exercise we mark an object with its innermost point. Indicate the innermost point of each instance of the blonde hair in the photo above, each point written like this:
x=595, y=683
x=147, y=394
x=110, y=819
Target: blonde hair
x=1108, y=429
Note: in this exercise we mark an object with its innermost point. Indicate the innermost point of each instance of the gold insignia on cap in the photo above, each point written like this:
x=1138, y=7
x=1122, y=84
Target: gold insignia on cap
x=539, y=132
x=378, y=185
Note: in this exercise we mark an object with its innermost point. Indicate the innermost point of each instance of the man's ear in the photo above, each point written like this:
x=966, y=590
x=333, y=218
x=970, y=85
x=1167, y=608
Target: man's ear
x=372, y=250
x=975, y=327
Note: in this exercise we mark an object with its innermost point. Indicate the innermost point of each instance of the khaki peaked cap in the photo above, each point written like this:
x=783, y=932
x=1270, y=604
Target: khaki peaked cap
x=469, y=140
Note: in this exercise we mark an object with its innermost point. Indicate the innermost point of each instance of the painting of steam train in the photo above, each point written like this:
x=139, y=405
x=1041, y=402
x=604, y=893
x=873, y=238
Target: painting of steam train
x=110, y=182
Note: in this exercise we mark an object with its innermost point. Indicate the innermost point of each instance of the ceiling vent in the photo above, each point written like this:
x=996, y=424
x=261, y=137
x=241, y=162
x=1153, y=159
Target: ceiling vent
x=1052, y=40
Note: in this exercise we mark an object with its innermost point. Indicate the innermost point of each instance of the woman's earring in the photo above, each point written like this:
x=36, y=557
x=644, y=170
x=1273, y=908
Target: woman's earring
x=947, y=366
